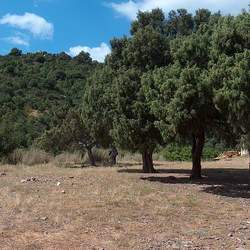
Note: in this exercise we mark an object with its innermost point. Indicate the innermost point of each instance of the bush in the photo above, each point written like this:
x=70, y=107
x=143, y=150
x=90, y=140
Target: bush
x=175, y=152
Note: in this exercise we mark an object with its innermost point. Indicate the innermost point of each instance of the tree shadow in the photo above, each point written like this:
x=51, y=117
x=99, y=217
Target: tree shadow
x=229, y=182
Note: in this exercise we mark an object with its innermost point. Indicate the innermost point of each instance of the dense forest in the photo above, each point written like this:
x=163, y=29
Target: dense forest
x=176, y=79
x=37, y=92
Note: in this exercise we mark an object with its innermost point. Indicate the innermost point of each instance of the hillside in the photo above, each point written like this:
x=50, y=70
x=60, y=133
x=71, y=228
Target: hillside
x=36, y=92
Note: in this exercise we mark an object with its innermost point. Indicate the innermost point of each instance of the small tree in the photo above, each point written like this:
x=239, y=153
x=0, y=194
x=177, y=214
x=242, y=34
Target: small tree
x=70, y=134
x=97, y=108
x=134, y=127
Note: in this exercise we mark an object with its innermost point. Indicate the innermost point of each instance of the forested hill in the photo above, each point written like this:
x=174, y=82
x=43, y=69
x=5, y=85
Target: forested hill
x=36, y=92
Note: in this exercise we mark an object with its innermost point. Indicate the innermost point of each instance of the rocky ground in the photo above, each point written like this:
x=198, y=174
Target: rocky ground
x=48, y=207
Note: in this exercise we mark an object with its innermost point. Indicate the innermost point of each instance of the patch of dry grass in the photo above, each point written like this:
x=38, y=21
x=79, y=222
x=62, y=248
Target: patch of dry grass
x=121, y=208
x=68, y=159
x=29, y=157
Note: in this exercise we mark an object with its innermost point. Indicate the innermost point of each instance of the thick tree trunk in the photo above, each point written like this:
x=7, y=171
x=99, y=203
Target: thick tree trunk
x=147, y=162
x=197, y=148
x=91, y=157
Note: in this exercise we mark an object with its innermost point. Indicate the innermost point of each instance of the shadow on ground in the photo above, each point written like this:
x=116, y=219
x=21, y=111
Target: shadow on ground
x=228, y=182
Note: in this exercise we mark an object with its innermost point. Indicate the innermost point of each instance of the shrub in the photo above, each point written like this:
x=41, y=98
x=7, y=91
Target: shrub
x=175, y=152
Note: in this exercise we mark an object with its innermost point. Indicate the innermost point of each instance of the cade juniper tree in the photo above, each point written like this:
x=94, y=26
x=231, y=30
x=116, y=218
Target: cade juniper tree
x=146, y=49
x=181, y=96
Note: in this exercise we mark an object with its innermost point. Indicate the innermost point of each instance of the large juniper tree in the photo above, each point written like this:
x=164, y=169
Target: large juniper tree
x=146, y=48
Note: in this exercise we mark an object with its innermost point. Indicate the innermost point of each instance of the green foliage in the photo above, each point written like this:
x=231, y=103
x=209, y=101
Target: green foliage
x=71, y=135
x=176, y=152
x=36, y=92
x=98, y=107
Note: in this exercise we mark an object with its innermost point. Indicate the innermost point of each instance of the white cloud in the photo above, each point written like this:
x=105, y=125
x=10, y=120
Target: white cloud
x=17, y=40
x=97, y=53
x=33, y=23
x=130, y=8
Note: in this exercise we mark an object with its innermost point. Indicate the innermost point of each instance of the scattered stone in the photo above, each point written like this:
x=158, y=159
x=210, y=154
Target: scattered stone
x=29, y=179
x=243, y=228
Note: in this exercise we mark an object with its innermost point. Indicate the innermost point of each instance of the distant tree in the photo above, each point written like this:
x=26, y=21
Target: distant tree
x=83, y=58
x=98, y=108
x=202, y=17
x=71, y=134
x=15, y=52
x=179, y=22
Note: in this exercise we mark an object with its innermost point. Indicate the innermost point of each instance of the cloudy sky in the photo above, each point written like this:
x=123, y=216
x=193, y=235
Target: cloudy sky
x=76, y=25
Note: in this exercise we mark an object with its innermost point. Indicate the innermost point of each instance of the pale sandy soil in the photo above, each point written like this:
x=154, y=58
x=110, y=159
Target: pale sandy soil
x=121, y=208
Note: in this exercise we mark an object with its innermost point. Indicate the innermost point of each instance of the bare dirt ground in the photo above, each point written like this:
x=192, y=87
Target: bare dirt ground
x=121, y=208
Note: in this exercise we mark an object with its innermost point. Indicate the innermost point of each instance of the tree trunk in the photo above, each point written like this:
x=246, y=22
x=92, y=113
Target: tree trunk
x=91, y=157
x=197, y=148
x=147, y=161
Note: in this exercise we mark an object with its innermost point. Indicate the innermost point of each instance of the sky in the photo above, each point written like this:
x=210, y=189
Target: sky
x=73, y=26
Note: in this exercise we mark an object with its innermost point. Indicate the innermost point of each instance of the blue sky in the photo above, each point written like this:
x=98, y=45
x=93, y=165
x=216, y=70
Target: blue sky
x=75, y=25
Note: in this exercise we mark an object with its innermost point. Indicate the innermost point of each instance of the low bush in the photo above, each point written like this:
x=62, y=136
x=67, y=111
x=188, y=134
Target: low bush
x=175, y=152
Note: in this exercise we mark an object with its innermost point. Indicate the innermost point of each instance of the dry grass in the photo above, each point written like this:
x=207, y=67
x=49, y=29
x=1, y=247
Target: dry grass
x=29, y=157
x=66, y=159
x=100, y=156
x=121, y=208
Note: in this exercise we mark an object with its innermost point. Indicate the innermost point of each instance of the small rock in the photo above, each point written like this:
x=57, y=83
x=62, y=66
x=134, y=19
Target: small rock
x=33, y=179
x=2, y=174
x=230, y=235
x=58, y=183
x=172, y=178
x=71, y=177
x=63, y=192
x=23, y=181
x=44, y=218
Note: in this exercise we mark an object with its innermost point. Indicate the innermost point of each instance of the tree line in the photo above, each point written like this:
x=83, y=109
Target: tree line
x=176, y=77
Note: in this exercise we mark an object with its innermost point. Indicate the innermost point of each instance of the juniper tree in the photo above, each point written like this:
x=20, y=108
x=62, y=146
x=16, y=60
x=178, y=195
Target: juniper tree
x=147, y=48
